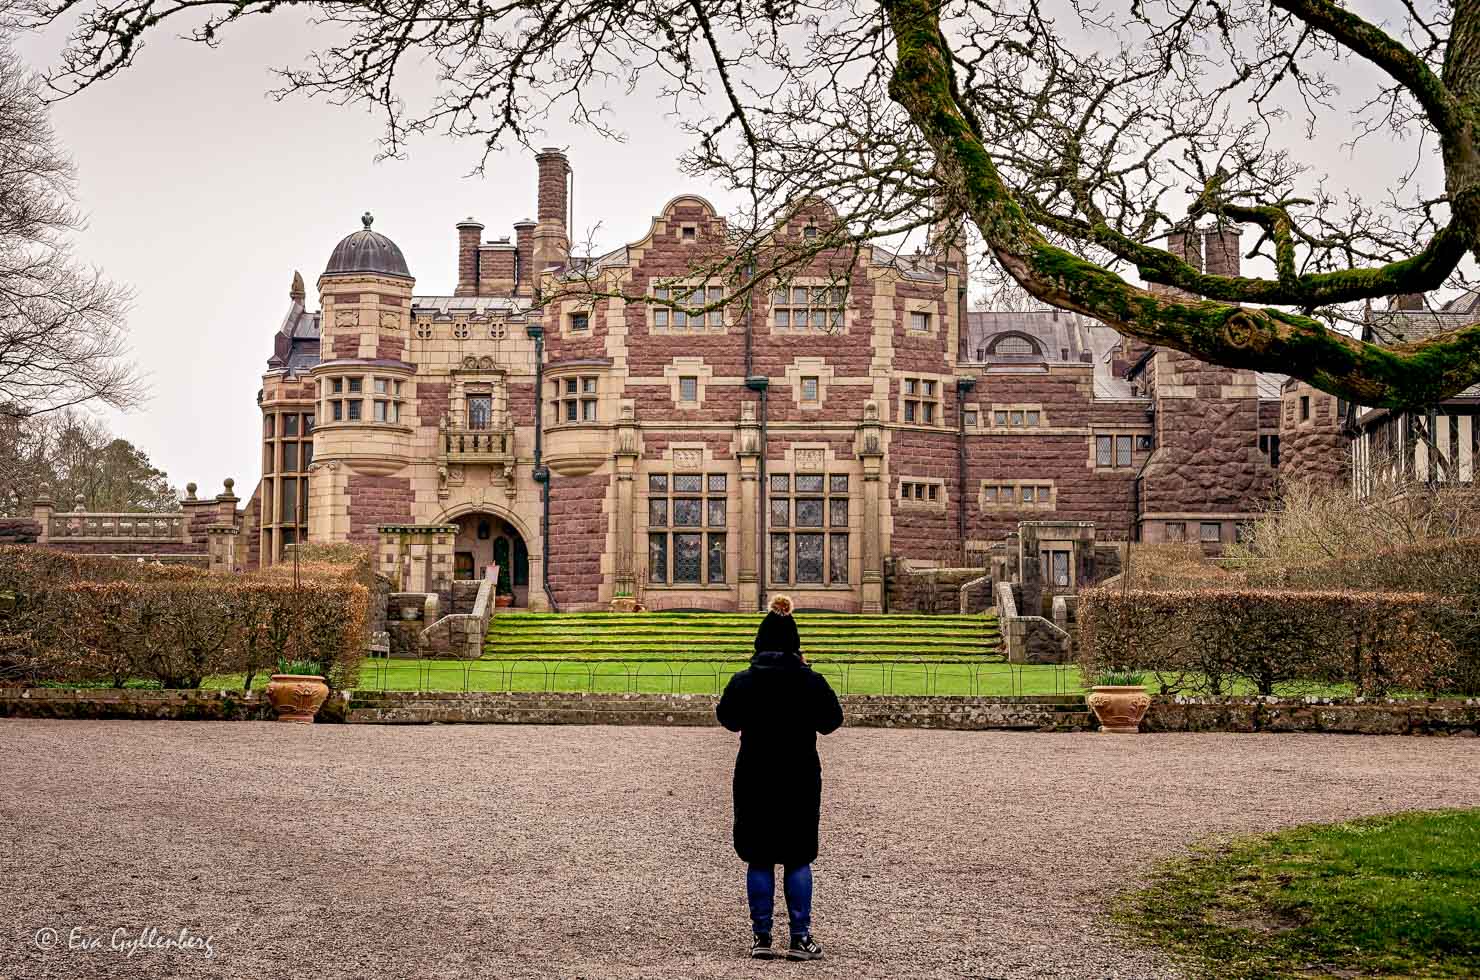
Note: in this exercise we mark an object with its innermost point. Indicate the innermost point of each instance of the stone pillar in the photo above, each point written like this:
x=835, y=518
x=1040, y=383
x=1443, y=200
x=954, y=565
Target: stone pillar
x=221, y=548
x=41, y=511
x=748, y=454
x=625, y=578
x=1030, y=571
x=870, y=448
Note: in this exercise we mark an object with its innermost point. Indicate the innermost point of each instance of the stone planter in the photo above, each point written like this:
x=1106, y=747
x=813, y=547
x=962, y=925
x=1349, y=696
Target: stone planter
x=624, y=604
x=1119, y=709
x=297, y=697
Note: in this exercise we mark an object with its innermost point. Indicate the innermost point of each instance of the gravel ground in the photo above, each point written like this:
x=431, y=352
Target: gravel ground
x=512, y=852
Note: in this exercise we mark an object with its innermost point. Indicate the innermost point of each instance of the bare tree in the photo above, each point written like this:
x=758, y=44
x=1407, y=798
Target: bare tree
x=61, y=324
x=1072, y=139
x=71, y=454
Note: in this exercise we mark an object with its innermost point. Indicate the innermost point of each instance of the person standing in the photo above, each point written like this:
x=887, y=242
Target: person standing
x=779, y=705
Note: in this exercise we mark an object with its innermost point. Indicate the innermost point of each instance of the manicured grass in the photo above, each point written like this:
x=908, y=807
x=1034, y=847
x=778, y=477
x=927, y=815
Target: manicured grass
x=871, y=676
x=1393, y=896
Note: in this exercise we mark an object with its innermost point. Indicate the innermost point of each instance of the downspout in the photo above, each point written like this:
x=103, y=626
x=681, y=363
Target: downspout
x=760, y=383
x=541, y=471
x=1136, y=483
x=963, y=386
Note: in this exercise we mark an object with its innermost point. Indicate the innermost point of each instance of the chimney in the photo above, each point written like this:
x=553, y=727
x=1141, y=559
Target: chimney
x=551, y=241
x=1220, y=245
x=496, y=269
x=469, y=233
x=1406, y=301
x=524, y=257
x=1184, y=242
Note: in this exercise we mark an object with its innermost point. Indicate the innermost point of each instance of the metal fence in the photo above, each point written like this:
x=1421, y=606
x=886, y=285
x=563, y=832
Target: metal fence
x=892, y=677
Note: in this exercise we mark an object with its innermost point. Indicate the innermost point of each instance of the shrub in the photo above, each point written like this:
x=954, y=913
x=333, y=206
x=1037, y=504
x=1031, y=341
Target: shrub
x=1209, y=641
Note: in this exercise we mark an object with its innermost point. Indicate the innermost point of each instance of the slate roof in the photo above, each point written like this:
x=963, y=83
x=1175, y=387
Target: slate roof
x=367, y=251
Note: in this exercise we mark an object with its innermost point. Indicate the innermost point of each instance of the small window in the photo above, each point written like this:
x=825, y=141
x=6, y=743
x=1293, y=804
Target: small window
x=809, y=232
x=338, y=385
x=971, y=418
x=381, y=386
x=920, y=322
x=572, y=385
x=588, y=386
x=809, y=389
x=1122, y=450
x=689, y=233
x=999, y=418
x=572, y=407
x=1304, y=407
x=909, y=386
x=990, y=493
x=909, y=411
x=934, y=492
x=354, y=409
x=1104, y=450
x=580, y=321
x=354, y=386
x=927, y=410
x=1033, y=417
x=1017, y=418
x=1210, y=532
x=381, y=414
x=688, y=389
x=336, y=410
x=1176, y=531
x=588, y=410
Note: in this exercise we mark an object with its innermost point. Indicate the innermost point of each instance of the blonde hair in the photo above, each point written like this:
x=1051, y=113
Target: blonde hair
x=781, y=605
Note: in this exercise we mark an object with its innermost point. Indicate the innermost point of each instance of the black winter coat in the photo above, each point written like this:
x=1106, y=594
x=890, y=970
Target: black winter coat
x=779, y=706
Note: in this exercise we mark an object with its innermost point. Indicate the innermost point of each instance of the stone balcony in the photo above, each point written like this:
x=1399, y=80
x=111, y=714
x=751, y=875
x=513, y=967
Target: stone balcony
x=489, y=445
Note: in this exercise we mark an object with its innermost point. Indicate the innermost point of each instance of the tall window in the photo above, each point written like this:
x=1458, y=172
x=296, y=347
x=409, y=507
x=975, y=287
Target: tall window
x=921, y=400
x=287, y=453
x=689, y=315
x=809, y=529
x=1269, y=445
x=687, y=521
x=574, y=399
x=802, y=307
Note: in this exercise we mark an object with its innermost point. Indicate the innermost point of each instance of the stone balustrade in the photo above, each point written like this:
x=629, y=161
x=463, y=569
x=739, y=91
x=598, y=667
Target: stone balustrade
x=121, y=527
x=492, y=444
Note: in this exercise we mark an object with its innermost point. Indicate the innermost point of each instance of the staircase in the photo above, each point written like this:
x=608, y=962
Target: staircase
x=729, y=636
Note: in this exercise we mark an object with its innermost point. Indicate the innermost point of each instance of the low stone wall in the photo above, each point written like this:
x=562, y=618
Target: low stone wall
x=929, y=590
x=1355, y=717
x=861, y=711
x=1058, y=713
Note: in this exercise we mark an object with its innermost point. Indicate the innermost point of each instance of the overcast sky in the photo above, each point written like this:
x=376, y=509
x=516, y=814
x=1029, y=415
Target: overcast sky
x=205, y=195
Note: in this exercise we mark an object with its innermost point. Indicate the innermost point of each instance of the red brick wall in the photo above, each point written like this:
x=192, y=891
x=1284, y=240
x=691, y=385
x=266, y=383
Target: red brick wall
x=347, y=345
x=577, y=538
x=376, y=500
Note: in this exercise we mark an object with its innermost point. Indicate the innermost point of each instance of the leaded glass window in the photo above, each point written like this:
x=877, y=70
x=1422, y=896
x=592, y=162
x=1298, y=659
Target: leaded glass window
x=801, y=506
x=686, y=520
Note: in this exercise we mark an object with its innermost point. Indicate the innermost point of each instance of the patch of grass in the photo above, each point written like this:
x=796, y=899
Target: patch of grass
x=1392, y=896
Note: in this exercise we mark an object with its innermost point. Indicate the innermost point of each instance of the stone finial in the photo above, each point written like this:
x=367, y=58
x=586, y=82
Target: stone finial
x=43, y=493
x=296, y=292
x=190, y=489
x=368, y=219
x=79, y=503
x=871, y=411
x=228, y=483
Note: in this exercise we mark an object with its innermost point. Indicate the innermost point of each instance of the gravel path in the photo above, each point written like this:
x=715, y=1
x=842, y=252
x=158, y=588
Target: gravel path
x=511, y=852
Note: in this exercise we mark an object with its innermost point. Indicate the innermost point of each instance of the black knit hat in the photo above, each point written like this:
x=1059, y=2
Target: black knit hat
x=778, y=630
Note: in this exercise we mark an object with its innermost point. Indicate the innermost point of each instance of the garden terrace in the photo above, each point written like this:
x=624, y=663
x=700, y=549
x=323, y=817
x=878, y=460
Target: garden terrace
x=730, y=636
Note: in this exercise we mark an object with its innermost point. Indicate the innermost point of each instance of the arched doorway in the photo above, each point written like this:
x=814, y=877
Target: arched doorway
x=487, y=539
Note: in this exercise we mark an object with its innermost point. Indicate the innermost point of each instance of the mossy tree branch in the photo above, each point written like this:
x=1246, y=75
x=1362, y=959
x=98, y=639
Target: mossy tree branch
x=1262, y=339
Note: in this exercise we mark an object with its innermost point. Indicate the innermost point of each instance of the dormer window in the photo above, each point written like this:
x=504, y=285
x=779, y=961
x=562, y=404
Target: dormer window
x=1014, y=346
x=809, y=232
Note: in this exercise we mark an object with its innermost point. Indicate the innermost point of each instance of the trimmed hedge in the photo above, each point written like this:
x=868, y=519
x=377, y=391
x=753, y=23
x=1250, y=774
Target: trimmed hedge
x=92, y=621
x=1209, y=641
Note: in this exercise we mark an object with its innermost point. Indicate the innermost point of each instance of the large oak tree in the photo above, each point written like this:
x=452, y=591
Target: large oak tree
x=1070, y=137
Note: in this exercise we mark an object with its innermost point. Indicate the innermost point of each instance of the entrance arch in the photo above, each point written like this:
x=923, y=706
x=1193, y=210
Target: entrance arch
x=485, y=538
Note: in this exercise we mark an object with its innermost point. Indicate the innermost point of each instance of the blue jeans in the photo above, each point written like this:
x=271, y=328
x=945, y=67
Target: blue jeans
x=760, y=888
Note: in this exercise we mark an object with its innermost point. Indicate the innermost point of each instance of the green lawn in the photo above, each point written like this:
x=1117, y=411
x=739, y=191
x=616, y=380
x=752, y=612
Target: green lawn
x=871, y=676
x=1394, y=896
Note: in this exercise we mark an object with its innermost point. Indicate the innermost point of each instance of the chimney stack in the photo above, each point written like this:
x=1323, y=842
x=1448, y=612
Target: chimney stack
x=1185, y=243
x=469, y=233
x=524, y=257
x=496, y=269
x=1220, y=245
x=1408, y=302
x=551, y=237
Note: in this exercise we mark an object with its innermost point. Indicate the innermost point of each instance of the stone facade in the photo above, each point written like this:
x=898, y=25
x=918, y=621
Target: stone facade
x=592, y=437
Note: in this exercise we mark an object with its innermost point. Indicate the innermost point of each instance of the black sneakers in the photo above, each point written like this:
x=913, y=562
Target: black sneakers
x=803, y=948
x=760, y=947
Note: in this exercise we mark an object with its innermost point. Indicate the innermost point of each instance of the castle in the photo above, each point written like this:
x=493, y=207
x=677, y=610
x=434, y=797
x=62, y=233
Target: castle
x=638, y=439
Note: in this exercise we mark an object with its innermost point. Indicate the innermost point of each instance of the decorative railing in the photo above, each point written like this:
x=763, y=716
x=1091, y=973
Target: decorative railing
x=121, y=527
x=493, y=443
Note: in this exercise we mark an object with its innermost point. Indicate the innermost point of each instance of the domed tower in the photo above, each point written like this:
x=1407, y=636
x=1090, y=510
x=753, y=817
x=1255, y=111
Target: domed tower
x=363, y=439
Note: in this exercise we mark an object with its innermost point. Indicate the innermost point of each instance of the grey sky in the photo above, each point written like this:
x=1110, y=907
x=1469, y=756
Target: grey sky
x=205, y=195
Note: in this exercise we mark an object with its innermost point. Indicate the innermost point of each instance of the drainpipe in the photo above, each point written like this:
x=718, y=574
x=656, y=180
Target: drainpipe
x=1135, y=534
x=541, y=471
x=963, y=386
x=760, y=384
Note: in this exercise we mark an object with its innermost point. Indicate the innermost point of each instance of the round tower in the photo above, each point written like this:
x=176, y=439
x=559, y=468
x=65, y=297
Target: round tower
x=363, y=439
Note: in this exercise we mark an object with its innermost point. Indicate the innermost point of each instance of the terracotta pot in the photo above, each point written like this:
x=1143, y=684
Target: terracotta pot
x=297, y=697
x=503, y=601
x=1119, y=709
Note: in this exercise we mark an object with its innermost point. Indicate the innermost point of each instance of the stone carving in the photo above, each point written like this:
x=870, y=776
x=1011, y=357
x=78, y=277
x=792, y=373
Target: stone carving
x=871, y=411
x=390, y=320
x=470, y=363
x=485, y=363
x=460, y=330
x=688, y=459
x=346, y=318
x=424, y=331
x=813, y=460
x=497, y=330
